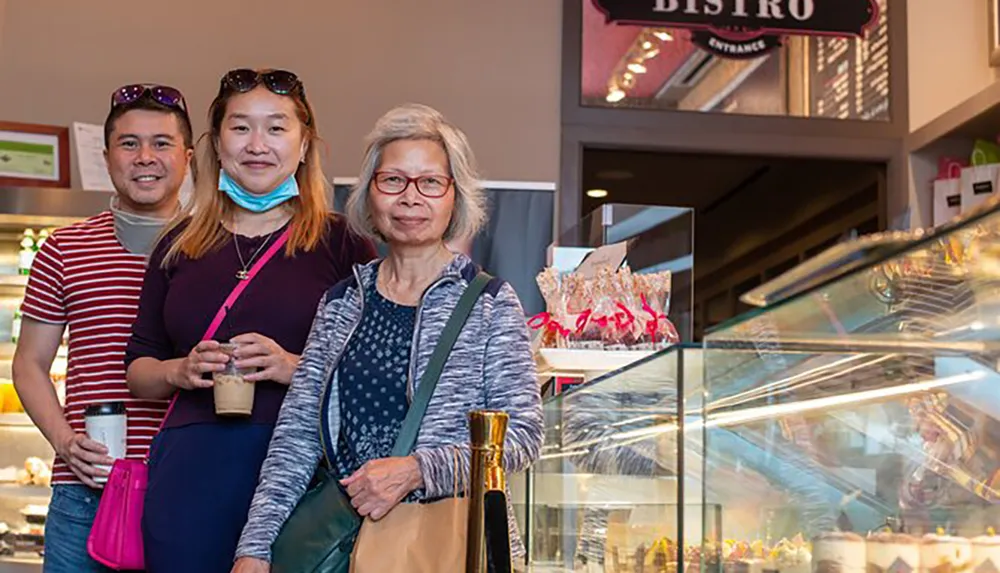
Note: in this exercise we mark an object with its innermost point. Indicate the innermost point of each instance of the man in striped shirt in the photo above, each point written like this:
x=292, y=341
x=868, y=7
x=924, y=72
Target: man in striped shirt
x=88, y=277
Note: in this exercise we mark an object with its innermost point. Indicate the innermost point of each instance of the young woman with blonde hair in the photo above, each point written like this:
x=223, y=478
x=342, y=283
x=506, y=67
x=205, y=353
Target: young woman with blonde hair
x=260, y=181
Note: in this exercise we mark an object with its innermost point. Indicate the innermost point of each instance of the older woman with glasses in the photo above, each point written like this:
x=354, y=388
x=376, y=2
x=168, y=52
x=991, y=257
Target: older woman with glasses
x=373, y=338
x=260, y=195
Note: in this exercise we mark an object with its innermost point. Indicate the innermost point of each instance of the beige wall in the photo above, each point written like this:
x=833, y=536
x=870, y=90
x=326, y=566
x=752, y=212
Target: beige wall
x=492, y=67
x=948, y=55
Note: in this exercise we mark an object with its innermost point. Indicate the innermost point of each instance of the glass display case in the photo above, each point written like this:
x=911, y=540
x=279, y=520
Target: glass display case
x=25, y=456
x=27, y=217
x=851, y=423
x=607, y=494
x=854, y=425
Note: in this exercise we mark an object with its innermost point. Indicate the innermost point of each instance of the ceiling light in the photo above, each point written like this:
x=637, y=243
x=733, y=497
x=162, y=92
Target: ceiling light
x=637, y=68
x=650, y=54
x=647, y=45
x=615, y=95
x=663, y=36
x=597, y=193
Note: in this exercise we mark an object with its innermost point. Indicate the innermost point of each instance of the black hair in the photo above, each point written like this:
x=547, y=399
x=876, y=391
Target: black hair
x=146, y=102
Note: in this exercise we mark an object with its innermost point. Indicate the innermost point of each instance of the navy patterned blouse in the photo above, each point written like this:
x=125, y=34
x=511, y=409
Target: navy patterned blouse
x=372, y=375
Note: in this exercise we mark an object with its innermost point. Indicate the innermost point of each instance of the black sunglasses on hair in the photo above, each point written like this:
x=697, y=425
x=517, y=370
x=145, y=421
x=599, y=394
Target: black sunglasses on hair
x=166, y=95
x=280, y=82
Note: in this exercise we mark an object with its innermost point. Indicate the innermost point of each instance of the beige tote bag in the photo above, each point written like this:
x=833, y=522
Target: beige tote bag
x=416, y=537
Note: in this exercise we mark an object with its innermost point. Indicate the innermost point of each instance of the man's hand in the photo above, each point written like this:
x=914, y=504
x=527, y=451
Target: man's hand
x=83, y=456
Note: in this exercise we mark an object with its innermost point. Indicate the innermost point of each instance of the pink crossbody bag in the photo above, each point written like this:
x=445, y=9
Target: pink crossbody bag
x=116, y=536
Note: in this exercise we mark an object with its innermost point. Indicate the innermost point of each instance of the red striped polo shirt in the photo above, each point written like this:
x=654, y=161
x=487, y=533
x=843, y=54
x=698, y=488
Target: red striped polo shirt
x=82, y=277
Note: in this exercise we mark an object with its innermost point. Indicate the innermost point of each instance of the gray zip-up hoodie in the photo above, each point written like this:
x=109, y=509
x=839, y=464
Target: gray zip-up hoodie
x=490, y=367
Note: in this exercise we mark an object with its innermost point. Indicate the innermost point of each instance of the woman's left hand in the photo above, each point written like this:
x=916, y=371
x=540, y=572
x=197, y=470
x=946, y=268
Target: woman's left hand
x=258, y=351
x=379, y=485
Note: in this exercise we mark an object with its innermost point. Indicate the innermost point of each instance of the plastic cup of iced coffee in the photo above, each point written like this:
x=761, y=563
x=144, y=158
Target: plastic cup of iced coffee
x=233, y=393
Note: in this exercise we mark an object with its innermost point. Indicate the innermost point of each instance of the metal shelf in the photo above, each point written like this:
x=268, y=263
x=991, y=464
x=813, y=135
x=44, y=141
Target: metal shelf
x=581, y=363
x=16, y=281
x=15, y=420
x=20, y=563
x=10, y=490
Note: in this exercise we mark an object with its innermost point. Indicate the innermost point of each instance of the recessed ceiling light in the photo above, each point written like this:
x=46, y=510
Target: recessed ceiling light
x=597, y=193
x=615, y=95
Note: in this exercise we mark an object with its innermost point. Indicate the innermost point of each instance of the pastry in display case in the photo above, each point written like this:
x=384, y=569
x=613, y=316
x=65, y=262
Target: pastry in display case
x=860, y=414
x=25, y=473
x=607, y=493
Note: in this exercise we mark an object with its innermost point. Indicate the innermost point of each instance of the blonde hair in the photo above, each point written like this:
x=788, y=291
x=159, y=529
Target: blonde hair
x=420, y=122
x=210, y=207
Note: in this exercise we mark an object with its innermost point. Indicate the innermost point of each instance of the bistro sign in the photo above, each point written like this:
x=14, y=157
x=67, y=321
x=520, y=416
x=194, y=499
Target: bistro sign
x=746, y=28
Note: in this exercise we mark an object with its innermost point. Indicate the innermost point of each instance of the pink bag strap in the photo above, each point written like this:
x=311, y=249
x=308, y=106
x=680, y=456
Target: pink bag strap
x=241, y=286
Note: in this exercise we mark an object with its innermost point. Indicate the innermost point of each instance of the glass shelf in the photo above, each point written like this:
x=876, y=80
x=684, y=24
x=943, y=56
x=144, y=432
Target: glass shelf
x=865, y=405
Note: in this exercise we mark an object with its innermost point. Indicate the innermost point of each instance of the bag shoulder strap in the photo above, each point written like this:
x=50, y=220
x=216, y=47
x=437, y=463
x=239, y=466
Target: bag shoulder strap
x=414, y=416
x=220, y=315
x=241, y=286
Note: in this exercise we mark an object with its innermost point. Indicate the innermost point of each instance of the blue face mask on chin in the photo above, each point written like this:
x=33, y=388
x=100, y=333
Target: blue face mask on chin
x=258, y=203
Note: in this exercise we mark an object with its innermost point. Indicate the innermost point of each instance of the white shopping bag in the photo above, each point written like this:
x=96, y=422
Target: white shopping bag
x=947, y=195
x=978, y=182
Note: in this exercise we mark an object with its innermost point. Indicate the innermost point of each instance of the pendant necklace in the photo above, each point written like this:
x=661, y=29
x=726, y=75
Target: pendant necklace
x=243, y=274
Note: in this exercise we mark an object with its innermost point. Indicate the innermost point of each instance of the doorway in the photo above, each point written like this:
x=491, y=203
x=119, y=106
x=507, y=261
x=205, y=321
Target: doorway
x=756, y=217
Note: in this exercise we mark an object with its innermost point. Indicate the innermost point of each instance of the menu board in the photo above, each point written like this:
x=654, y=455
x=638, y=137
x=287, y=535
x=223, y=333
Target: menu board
x=849, y=77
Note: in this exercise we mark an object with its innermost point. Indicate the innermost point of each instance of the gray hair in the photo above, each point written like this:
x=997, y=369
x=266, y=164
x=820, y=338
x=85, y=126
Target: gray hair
x=416, y=122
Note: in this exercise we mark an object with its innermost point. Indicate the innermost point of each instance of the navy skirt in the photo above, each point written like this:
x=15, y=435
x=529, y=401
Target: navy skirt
x=202, y=479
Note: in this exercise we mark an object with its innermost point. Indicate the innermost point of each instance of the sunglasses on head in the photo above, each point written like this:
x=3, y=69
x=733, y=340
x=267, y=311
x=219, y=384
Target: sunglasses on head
x=165, y=95
x=280, y=82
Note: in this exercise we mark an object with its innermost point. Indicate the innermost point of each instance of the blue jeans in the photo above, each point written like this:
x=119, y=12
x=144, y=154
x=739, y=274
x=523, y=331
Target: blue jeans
x=71, y=513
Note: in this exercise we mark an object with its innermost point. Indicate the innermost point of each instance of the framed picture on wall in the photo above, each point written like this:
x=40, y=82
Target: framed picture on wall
x=994, y=23
x=33, y=155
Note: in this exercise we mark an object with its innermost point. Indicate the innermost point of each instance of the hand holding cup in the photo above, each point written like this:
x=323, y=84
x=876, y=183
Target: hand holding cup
x=257, y=352
x=234, y=393
x=205, y=357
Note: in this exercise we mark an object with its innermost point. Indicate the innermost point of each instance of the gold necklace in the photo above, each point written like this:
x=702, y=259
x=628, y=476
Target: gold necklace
x=243, y=274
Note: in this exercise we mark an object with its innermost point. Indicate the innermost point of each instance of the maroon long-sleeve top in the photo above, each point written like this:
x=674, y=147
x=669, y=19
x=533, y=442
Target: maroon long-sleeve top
x=179, y=302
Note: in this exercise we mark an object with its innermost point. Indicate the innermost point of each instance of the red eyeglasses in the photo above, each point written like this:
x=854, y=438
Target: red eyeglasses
x=393, y=183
